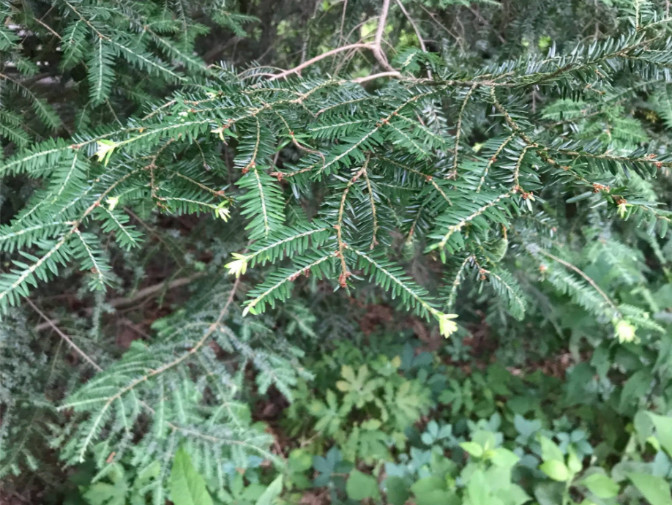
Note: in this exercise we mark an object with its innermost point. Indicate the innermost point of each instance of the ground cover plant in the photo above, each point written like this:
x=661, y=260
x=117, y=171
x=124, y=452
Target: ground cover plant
x=335, y=252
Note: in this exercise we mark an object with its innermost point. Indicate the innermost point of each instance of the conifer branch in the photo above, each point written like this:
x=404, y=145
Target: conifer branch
x=493, y=160
x=345, y=273
x=585, y=276
x=65, y=337
x=458, y=130
x=156, y=372
x=465, y=220
x=454, y=286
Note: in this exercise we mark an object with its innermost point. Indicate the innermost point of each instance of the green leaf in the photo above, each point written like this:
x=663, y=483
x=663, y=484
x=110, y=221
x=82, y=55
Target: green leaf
x=478, y=489
x=573, y=462
x=504, y=458
x=549, y=493
x=655, y=489
x=271, y=493
x=102, y=493
x=556, y=470
x=601, y=485
x=396, y=490
x=187, y=486
x=513, y=495
x=663, y=426
x=472, y=448
x=109, y=493
x=550, y=450
x=361, y=486
x=299, y=460
x=431, y=491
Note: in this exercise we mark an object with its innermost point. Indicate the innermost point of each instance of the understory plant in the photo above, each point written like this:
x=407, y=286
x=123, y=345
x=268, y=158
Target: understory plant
x=492, y=437
x=182, y=218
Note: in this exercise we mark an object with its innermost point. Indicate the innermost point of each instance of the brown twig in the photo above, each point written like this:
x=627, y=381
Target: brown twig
x=375, y=48
x=317, y=58
x=50, y=323
x=139, y=296
x=345, y=273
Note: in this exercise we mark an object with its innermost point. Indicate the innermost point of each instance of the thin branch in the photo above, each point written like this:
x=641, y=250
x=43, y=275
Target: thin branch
x=374, y=240
x=317, y=58
x=54, y=32
x=340, y=31
x=371, y=77
x=382, y=19
x=375, y=48
x=345, y=273
x=421, y=41
x=67, y=339
x=86, y=21
x=487, y=23
x=152, y=290
x=588, y=279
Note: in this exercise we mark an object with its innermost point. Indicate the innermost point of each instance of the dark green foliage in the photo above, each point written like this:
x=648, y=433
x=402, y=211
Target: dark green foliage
x=489, y=168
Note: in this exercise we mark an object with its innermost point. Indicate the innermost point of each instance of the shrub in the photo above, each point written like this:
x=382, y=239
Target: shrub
x=514, y=175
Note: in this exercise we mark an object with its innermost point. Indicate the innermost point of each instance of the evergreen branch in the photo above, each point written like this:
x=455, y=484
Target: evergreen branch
x=12, y=238
x=362, y=139
x=343, y=278
x=16, y=281
x=276, y=286
x=461, y=222
x=454, y=286
x=391, y=278
x=154, y=373
x=458, y=129
x=86, y=21
x=425, y=177
x=585, y=276
x=284, y=242
x=145, y=62
x=95, y=264
x=492, y=161
x=7, y=296
x=505, y=284
x=100, y=73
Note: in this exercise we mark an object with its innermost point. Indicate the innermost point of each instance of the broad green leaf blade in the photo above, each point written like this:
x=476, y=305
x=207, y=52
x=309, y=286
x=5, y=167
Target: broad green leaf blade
x=472, y=448
x=663, y=426
x=550, y=450
x=601, y=485
x=361, y=486
x=556, y=470
x=187, y=486
x=271, y=493
x=654, y=489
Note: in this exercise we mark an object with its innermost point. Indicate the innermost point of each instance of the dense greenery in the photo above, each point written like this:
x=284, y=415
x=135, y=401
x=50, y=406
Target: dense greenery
x=428, y=262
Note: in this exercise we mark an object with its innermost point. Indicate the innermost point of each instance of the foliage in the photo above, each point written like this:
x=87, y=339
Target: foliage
x=182, y=221
x=514, y=453
x=511, y=450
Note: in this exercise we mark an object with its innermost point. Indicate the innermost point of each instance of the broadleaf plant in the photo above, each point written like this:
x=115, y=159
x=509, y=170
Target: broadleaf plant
x=518, y=166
